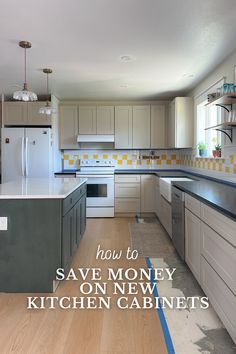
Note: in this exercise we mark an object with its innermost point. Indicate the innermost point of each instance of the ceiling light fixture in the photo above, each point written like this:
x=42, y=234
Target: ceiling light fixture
x=25, y=94
x=47, y=109
x=126, y=58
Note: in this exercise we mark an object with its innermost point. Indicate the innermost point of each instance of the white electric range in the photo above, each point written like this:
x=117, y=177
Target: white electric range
x=100, y=187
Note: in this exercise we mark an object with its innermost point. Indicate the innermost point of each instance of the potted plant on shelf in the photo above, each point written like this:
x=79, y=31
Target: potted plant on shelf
x=202, y=149
x=217, y=151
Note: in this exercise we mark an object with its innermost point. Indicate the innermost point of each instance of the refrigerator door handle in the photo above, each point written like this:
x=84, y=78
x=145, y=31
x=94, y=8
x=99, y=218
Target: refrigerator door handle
x=26, y=157
x=22, y=156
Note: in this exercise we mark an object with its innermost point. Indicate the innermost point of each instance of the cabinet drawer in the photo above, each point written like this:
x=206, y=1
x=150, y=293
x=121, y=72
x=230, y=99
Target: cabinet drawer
x=127, y=205
x=77, y=194
x=220, y=296
x=220, y=223
x=220, y=254
x=127, y=190
x=127, y=178
x=193, y=205
x=73, y=198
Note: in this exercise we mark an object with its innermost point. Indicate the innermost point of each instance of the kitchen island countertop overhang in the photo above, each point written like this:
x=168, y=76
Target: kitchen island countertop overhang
x=40, y=188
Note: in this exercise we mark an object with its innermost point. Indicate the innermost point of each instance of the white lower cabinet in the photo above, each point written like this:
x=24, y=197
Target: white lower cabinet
x=220, y=254
x=127, y=194
x=158, y=197
x=220, y=296
x=134, y=193
x=147, y=194
x=210, y=252
x=192, y=243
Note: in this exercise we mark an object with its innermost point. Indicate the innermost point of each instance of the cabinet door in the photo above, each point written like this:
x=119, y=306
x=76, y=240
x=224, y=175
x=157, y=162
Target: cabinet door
x=141, y=127
x=68, y=127
x=147, y=194
x=105, y=120
x=15, y=113
x=82, y=215
x=184, y=122
x=77, y=223
x=171, y=125
x=36, y=118
x=193, y=243
x=158, y=198
x=87, y=120
x=67, y=238
x=123, y=127
x=158, y=126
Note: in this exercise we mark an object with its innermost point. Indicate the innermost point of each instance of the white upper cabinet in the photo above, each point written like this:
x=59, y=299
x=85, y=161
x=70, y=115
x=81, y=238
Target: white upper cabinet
x=96, y=120
x=24, y=113
x=141, y=127
x=68, y=122
x=36, y=118
x=158, y=126
x=87, y=120
x=181, y=122
x=15, y=113
x=123, y=127
x=105, y=120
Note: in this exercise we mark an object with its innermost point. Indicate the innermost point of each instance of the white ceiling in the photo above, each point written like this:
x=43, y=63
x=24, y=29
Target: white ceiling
x=82, y=40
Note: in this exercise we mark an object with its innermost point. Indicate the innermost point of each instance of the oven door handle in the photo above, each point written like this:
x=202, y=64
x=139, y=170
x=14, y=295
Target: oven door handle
x=95, y=176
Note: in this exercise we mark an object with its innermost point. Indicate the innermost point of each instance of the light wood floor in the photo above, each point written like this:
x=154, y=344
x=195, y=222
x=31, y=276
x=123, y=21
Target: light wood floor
x=82, y=331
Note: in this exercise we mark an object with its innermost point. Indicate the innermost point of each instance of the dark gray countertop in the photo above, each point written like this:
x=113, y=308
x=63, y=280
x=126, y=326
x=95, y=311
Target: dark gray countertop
x=221, y=195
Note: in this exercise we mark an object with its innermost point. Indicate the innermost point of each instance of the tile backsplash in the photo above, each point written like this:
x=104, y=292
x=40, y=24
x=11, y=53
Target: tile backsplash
x=125, y=159
x=223, y=166
x=157, y=159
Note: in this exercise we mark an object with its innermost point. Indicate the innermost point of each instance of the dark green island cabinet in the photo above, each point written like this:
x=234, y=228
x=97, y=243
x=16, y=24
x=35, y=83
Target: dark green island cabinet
x=40, y=231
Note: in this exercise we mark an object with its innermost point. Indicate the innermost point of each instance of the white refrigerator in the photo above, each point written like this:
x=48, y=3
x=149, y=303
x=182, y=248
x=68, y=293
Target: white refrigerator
x=26, y=152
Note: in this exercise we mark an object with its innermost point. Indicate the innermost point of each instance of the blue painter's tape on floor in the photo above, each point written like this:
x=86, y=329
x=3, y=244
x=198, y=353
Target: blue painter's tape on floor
x=165, y=329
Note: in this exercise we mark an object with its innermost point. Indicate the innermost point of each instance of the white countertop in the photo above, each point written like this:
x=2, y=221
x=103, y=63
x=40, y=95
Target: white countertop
x=40, y=188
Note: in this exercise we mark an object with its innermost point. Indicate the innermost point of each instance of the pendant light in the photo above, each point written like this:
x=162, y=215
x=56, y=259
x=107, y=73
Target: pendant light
x=25, y=94
x=47, y=109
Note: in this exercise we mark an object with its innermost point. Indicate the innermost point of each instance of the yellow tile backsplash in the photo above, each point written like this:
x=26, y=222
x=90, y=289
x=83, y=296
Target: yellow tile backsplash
x=125, y=159
x=160, y=160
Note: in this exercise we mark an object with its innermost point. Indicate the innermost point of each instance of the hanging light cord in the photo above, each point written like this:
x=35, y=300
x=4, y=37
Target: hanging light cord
x=25, y=83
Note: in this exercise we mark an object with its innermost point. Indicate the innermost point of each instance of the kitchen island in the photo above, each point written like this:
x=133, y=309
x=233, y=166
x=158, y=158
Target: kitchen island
x=41, y=224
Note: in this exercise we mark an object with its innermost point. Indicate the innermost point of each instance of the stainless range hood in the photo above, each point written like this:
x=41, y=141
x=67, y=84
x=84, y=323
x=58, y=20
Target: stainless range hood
x=83, y=138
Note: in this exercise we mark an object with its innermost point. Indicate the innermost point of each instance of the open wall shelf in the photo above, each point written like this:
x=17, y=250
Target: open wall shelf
x=225, y=128
x=226, y=100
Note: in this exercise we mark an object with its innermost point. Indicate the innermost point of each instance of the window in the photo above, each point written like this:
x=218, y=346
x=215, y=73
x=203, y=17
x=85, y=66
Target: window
x=209, y=116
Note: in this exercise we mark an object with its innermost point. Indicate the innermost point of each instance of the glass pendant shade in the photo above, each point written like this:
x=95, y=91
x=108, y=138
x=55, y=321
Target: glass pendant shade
x=47, y=109
x=24, y=94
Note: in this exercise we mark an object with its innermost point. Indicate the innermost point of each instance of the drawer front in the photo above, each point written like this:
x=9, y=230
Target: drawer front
x=67, y=204
x=220, y=296
x=193, y=205
x=127, y=178
x=127, y=205
x=220, y=223
x=73, y=198
x=220, y=254
x=127, y=190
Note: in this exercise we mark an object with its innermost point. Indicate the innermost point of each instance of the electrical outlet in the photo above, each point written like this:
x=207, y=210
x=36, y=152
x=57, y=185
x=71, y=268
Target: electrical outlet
x=3, y=223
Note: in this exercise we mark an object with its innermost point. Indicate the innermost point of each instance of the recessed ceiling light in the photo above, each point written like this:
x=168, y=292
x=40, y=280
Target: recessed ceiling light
x=124, y=86
x=188, y=76
x=126, y=58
